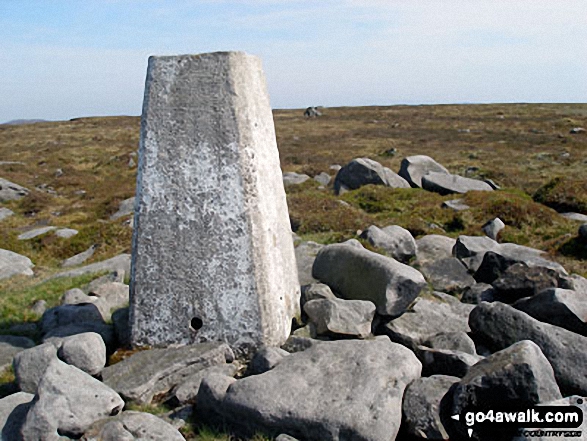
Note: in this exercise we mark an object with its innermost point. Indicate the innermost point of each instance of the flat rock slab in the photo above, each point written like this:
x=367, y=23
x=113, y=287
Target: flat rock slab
x=209, y=178
x=9, y=191
x=434, y=247
x=413, y=168
x=456, y=205
x=131, y=426
x=31, y=234
x=13, y=264
x=66, y=233
x=341, y=390
x=350, y=318
x=116, y=263
x=79, y=258
x=156, y=371
x=365, y=171
x=446, y=184
x=292, y=178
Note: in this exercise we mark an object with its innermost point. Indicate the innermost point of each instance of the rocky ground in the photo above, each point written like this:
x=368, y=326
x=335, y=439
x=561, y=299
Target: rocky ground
x=424, y=293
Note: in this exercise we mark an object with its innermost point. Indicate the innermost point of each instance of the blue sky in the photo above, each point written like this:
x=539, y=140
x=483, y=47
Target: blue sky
x=61, y=59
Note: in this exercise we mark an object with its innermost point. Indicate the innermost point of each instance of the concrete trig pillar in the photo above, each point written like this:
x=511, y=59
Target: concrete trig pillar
x=213, y=256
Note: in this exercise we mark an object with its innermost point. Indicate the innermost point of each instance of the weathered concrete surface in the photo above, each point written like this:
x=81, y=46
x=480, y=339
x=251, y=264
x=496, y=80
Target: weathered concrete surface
x=212, y=244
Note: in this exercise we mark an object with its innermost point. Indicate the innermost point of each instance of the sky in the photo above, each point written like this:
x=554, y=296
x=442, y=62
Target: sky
x=61, y=59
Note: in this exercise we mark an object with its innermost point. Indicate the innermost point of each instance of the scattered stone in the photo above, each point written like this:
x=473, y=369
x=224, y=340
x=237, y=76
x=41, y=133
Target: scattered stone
x=312, y=112
x=292, y=178
x=358, y=274
x=306, y=253
x=454, y=341
x=10, y=346
x=266, y=359
x=131, y=426
x=12, y=264
x=577, y=130
x=447, y=275
x=430, y=314
x=114, y=295
x=493, y=227
x=5, y=213
x=520, y=374
x=120, y=262
x=575, y=216
x=85, y=351
x=131, y=163
x=39, y=307
x=125, y=208
x=434, y=247
x=365, y=171
x=65, y=233
x=337, y=317
x=421, y=406
x=56, y=409
x=559, y=307
x=352, y=376
x=80, y=258
x=323, y=179
x=480, y=292
x=35, y=233
x=157, y=371
x=520, y=281
x=445, y=361
x=9, y=191
x=335, y=167
x=456, y=205
x=444, y=184
x=113, y=276
x=13, y=410
x=414, y=168
x=498, y=326
x=397, y=242
x=30, y=365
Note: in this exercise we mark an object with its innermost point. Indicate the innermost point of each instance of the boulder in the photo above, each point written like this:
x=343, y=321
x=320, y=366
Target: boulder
x=414, y=168
x=148, y=373
x=518, y=375
x=445, y=361
x=67, y=402
x=454, y=341
x=520, y=281
x=397, y=242
x=560, y=307
x=315, y=291
x=5, y=213
x=493, y=227
x=471, y=250
x=12, y=264
x=431, y=314
x=114, y=295
x=365, y=171
x=9, y=191
x=291, y=178
x=85, y=351
x=331, y=391
x=76, y=296
x=125, y=208
x=35, y=232
x=305, y=256
x=479, y=292
x=444, y=184
x=30, y=365
x=266, y=359
x=337, y=317
x=13, y=411
x=116, y=263
x=323, y=179
x=10, y=345
x=358, y=274
x=80, y=258
x=447, y=275
x=499, y=326
x=187, y=390
x=116, y=275
x=131, y=426
x=421, y=406
x=434, y=247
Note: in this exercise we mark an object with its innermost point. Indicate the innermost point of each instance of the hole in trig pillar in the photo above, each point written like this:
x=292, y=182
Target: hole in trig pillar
x=196, y=323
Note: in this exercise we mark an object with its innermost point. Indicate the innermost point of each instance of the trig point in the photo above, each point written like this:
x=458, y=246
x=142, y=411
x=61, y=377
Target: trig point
x=212, y=257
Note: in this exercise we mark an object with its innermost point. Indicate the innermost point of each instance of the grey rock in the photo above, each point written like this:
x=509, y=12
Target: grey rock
x=9, y=191
x=520, y=281
x=66, y=233
x=579, y=217
x=312, y=112
x=492, y=184
x=444, y=184
x=120, y=262
x=10, y=345
x=316, y=291
x=75, y=296
x=132, y=426
x=447, y=275
x=492, y=267
x=79, y=258
x=413, y=168
x=519, y=374
x=358, y=274
x=445, y=361
x=113, y=276
x=365, y=171
x=430, y=315
x=121, y=326
x=583, y=231
x=242, y=226
x=577, y=130
x=305, y=256
x=397, y=242
x=113, y=295
x=13, y=410
x=480, y=292
x=561, y=307
x=36, y=232
x=39, y=307
x=157, y=371
x=323, y=178
x=284, y=437
x=125, y=208
x=13, y=264
x=331, y=391
x=498, y=326
x=292, y=178
x=56, y=408
x=335, y=167
x=296, y=343
x=30, y=365
x=434, y=247
x=187, y=390
x=351, y=318
x=471, y=250
x=456, y=205
x=5, y=213
x=493, y=227
x=85, y=351
x=266, y=359
x=422, y=404
x=454, y=341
